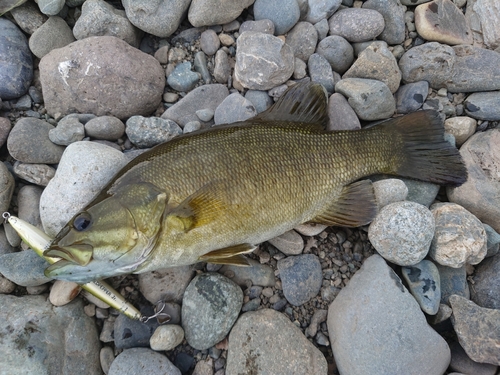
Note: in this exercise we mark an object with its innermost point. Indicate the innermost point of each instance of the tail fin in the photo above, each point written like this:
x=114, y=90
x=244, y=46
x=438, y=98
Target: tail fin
x=425, y=155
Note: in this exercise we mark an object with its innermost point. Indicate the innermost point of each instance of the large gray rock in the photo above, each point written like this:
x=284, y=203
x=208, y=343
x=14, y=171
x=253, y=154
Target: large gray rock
x=84, y=169
x=24, y=268
x=357, y=24
x=142, y=361
x=102, y=75
x=215, y=12
x=283, y=13
x=28, y=17
x=168, y=284
x=263, y=61
x=266, y=342
x=55, y=33
x=394, y=19
x=483, y=105
x=38, y=338
x=233, y=109
x=484, y=20
x=486, y=290
x=377, y=327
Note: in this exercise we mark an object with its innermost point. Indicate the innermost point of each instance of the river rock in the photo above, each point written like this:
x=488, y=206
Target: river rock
x=107, y=128
x=461, y=127
x=210, y=307
x=480, y=194
x=461, y=362
x=484, y=20
x=289, y=243
x=301, y=278
x=303, y=39
x=356, y=24
x=166, y=285
x=483, y=105
x=370, y=99
x=128, y=333
x=453, y=281
x=86, y=76
x=493, y=243
x=100, y=18
x=167, y=337
x=486, y=286
x=145, y=132
x=320, y=10
x=411, y=96
x=402, y=232
x=28, y=201
x=255, y=274
x=142, y=360
x=16, y=63
x=478, y=330
x=283, y=13
x=55, y=33
x=388, y=191
x=375, y=307
x=183, y=78
x=209, y=42
x=63, y=292
x=263, y=61
x=51, y=7
x=160, y=18
x=341, y=115
x=442, y=21
x=7, y=185
x=337, y=51
x=84, y=169
x=63, y=342
x=424, y=284
x=376, y=62
x=234, y=108
x=215, y=12
x=28, y=17
x=39, y=174
x=206, y=96
x=68, y=130
x=24, y=268
x=260, y=337
x=459, y=239
x=262, y=26
x=393, y=13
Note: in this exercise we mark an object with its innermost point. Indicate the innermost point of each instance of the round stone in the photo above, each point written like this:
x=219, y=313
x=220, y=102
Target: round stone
x=337, y=51
x=166, y=337
x=357, y=24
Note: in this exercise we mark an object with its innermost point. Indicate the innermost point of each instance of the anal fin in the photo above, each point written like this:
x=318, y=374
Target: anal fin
x=355, y=207
x=229, y=255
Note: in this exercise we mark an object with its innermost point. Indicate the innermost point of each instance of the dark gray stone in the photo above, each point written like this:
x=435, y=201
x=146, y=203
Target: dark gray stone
x=321, y=9
x=28, y=17
x=283, y=13
x=341, y=115
x=320, y=71
x=411, y=97
x=493, y=240
x=453, y=281
x=394, y=19
x=483, y=105
x=130, y=333
x=461, y=363
x=337, y=51
x=200, y=65
x=485, y=289
x=356, y=24
x=424, y=284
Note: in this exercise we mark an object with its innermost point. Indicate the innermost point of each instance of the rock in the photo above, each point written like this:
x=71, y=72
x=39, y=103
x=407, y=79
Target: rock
x=393, y=13
x=200, y=66
x=402, y=232
x=388, y=191
x=128, y=333
x=24, y=268
x=356, y=24
x=442, y=315
x=68, y=130
x=493, y=241
x=29, y=142
x=28, y=202
x=486, y=284
x=480, y=194
x=483, y=105
x=321, y=72
x=256, y=274
x=301, y=278
x=100, y=18
x=167, y=285
x=106, y=356
x=284, y=14
x=262, y=26
x=5, y=128
x=478, y=330
x=160, y=18
x=424, y=284
x=260, y=337
x=28, y=17
x=289, y=243
x=222, y=69
x=421, y=192
x=147, y=132
x=206, y=96
x=209, y=42
x=65, y=341
x=84, y=169
x=63, y=292
x=303, y=39
x=319, y=10
x=6, y=286
x=370, y=99
x=442, y=21
x=167, y=337
x=142, y=360
x=337, y=51
x=16, y=63
x=341, y=115
x=210, y=307
x=51, y=7
x=460, y=237
x=86, y=76
x=55, y=33
x=204, y=367
x=7, y=185
x=205, y=114
x=215, y=12
x=107, y=128
x=460, y=362
x=453, y=281
x=262, y=61
x=39, y=174
x=183, y=78
x=484, y=20
x=376, y=62
x=462, y=128
x=311, y=229
x=260, y=100
x=376, y=307
x=234, y=108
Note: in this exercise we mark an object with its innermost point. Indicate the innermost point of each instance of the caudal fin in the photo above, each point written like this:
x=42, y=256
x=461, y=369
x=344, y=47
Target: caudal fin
x=424, y=154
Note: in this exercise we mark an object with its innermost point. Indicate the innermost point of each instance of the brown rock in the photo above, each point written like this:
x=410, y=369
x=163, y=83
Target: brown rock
x=478, y=330
x=441, y=21
x=102, y=75
x=462, y=128
x=480, y=194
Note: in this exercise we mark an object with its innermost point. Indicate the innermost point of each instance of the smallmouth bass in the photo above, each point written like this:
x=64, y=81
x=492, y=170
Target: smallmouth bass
x=216, y=194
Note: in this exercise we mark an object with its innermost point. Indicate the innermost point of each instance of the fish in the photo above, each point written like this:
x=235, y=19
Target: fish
x=216, y=194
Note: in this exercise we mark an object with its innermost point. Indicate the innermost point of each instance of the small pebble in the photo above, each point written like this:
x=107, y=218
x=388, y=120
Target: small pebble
x=63, y=292
x=166, y=337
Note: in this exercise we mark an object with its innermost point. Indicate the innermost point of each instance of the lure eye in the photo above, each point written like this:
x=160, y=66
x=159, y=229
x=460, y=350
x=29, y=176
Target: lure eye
x=82, y=221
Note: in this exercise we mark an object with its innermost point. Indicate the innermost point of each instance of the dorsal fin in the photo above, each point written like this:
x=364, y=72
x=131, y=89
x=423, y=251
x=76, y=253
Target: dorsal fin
x=304, y=102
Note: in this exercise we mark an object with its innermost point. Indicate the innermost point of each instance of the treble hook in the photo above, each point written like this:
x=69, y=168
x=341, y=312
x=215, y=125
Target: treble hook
x=160, y=316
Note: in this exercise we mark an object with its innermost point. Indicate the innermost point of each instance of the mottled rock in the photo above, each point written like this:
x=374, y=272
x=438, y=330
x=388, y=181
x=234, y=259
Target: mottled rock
x=147, y=132
x=393, y=13
x=388, y=191
x=301, y=277
x=483, y=16
x=320, y=9
x=370, y=99
x=478, y=330
x=356, y=24
x=461, y=362
x=289, y=243
x=453, y=281
x=28, y=17
x=68, y=130
x=442, y=21
x=39, y=174
x=375, y=307
x=424, y=284
x=168, y=284
x=167, y=337
x=183, y=78
x=483, y=105
x=234, y=108
x=302, y=38
x=86, y=76
x=260, y=337
x=24, y=268
x=283, y=13
x=55, y=33
x=262, y=61
x=310, y=229
x=256, y=274
x=215, y=12
x=462, y=128
x=337, y=51
x=142, y=360
x=486, y=287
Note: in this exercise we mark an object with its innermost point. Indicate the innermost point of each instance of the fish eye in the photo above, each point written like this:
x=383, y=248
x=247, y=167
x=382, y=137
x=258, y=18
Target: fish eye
x=82, y=221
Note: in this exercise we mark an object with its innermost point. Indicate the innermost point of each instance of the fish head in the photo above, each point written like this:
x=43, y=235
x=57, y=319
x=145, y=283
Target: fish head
x=111, y=237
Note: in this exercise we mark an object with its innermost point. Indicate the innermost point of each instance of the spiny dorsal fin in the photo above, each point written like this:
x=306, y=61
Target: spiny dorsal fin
x=304, y=102
x=355, y=207
x=229, y=255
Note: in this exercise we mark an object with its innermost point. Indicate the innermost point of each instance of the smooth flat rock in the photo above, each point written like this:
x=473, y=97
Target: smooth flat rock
x=215, y=12
x=283, y=13
x=55, y=33
x=424, y=284
x=142, y=360
x=483, y=105
x=356, y=24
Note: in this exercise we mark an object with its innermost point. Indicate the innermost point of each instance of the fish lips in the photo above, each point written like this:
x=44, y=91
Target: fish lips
x=80, y=254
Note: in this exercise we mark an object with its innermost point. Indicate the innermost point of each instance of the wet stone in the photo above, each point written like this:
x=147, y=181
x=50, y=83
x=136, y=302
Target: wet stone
x=337, y=51
x=356, y=24
x=147, y=132
x=424, y=284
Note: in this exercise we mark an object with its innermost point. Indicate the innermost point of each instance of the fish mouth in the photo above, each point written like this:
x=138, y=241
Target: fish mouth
x=80, y=254
x=70, y=271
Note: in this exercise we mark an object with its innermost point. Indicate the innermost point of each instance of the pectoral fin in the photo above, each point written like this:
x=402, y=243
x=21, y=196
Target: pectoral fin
x=355, y=207
x=229, y=255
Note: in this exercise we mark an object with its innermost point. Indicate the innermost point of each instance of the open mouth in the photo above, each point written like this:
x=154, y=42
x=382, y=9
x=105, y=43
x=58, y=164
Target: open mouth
x=77, y=253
